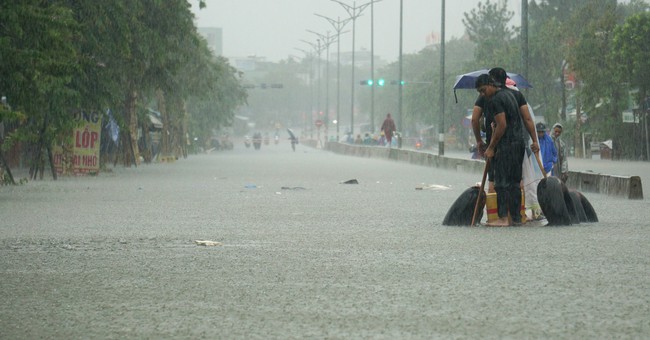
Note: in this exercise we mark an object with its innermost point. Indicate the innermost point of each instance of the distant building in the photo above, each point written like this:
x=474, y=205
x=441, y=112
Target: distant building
x=247, y=64
x=214, y=37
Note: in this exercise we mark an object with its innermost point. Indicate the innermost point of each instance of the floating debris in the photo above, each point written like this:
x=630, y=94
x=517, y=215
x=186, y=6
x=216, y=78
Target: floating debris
x=293, y=188
x=432, y=187
x=207, y=243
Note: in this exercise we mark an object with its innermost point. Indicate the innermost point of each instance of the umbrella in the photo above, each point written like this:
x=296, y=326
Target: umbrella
x=291, y=135
x=468, y=80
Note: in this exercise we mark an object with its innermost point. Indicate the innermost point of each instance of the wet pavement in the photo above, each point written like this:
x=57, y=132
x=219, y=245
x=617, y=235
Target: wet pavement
x=304, y=256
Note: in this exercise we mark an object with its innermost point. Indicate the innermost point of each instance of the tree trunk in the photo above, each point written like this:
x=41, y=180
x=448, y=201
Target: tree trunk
x=37, y=160
x=165, y=147
x=51, y=159
x=577, y=137
x=130, y=137
x=5, y=165
x=186, y=119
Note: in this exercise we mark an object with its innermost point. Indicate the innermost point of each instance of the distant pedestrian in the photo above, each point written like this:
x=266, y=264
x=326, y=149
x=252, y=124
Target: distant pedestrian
x=367, y=140
x=388, y=127
x=561, y=168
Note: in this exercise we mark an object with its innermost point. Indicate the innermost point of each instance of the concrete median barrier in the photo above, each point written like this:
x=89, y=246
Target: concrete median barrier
x=612, y=185
x=621, y=186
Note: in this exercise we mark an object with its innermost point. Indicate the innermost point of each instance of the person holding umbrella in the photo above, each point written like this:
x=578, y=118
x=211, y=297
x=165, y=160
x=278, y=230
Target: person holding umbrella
x=293, y=138
x=505, y=150
x=503, y=80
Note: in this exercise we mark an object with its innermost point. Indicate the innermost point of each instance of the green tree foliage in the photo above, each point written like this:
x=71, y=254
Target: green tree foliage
x=214, y=109
x=59, y=57
x=487, y=26
x=39, y=62
x=631, y=43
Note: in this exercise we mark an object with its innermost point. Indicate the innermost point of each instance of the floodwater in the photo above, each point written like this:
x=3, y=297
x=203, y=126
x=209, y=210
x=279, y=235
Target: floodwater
x=303, y=256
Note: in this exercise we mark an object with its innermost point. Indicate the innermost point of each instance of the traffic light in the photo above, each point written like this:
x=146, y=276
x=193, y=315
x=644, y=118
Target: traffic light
x=381, y=82
x=368, y=82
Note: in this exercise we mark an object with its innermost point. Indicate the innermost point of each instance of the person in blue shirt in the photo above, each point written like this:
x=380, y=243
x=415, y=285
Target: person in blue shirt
x=546, y=148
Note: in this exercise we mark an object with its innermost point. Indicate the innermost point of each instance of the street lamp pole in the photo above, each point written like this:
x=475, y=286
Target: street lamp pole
x=354, y=12
x=317, y=48
x=399, y=96
x=311, y=89
x=338, y=27
x=372, y=64
x=327, y=41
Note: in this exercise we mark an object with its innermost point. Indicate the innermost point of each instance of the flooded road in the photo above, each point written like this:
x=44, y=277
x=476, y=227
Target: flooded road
x=304, y=256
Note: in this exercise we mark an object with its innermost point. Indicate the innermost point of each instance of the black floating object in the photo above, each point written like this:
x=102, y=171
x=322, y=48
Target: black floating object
x=461, y=211
x=351, y=181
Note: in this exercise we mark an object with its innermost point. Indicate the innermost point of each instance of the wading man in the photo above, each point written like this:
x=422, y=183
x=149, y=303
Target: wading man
x=505, y=149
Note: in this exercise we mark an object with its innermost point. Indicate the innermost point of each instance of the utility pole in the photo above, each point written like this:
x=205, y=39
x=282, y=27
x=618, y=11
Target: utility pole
x=524, y=38
x=317, y=50
x=354, y=12
x=400, y=125
x=338, y=27
x=327, y=40
x=311, y=90
x=441, y=141
x=372, y=64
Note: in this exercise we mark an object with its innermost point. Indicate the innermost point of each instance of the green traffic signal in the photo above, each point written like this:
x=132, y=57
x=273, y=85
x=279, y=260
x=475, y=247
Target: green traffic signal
x=370, y=82
x=381, y=82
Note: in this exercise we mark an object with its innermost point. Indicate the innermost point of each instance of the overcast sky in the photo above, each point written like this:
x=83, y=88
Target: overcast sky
x=274, y=28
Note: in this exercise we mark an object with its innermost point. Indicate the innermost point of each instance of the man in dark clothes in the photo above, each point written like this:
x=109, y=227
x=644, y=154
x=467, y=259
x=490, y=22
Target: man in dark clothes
x=500, y=76
x=505, y=149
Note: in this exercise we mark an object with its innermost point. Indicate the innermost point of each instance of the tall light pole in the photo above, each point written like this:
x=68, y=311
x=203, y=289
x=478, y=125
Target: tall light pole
x=311, y=89
x=399, y=90
x=441, y=138
x=338, y=27
x=372, y=64
x=326, y=40
x=354, y=12
x=524, y=38
x=317, y=48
